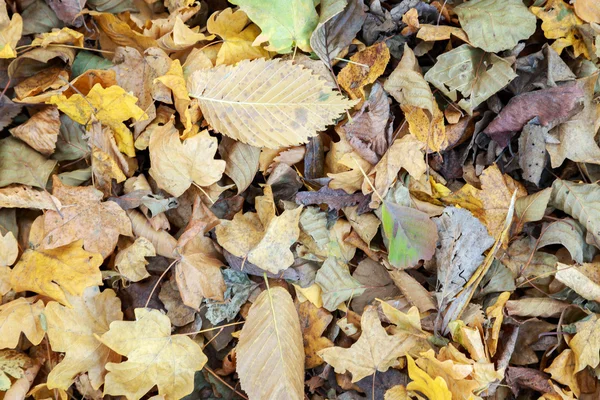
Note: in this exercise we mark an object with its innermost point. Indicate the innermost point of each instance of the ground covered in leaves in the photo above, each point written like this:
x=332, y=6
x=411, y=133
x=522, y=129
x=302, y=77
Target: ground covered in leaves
x=298, y=199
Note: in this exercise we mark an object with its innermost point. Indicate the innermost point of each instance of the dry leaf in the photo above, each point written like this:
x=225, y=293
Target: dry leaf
x=131, y=261
x=150, y=350
x=272, y=323
x=22, y=315
x=313, y=322
x=40, y=131
x=367, y=66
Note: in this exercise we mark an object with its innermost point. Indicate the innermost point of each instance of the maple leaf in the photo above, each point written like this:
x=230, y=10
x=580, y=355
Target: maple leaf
x=22, y=315
x=586, y=343
x=10, y=32
x=97, y=223
x=150, y=350
x=131, y=261
x=375, y=350
x=57, y=272
x=110, y=106
x=73, y=330
x=262, y=237
x=12, y=364
x=422, y=382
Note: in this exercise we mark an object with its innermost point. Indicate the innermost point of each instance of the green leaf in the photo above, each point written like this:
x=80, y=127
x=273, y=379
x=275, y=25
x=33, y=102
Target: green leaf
x=336, y=283
x=411, y=235
x=19, y=163
x=284, y=23
x=461, y=70
x=486, y=23
x=86, y=60
x=236, y=294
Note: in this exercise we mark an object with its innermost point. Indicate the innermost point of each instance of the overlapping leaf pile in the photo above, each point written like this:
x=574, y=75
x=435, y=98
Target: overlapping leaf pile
x=290, y=199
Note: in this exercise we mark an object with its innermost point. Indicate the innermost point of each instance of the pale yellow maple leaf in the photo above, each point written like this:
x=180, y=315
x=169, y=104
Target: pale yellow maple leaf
x=111, y=106
x=84, y=216
x=562, y=370
x=21, y=316
x=176, y=165
x=374, y=350
x=131, y=261
x=72, y=331
x=9, y=249
x=238, y=36
x=586, y=343
x=262, y=237
x=154, y=357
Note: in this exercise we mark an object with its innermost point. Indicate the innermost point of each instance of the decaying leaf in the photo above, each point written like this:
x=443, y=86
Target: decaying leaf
x=131, y=261
x=336, y=283
x=12, y=365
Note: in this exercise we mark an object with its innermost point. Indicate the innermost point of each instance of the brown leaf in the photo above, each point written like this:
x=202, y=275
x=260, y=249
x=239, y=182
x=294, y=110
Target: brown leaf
x=313, y=322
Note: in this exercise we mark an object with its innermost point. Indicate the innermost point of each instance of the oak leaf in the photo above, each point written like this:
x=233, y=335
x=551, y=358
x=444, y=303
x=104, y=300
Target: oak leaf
x=273, y=324
x=84, y=217
x=22, y=315
x=374, y=350
x=299, y=103
x=57, y=272
x=176, y=165
x=72, y=331
x=151, y=352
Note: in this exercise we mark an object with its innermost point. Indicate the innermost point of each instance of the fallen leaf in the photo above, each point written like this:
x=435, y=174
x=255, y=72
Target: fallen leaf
x=272, y=323
x=434, y=33
x=176, y=165
x=73, y=331
x=586, y=343
x=576, y=279
x=414, y=292
x=131, y=261
x=262, y=237
x=532, y=149
x=560, y=22
x=351, y=179
x=22, y=315
x=179, y=314
x=568, y=233
x=12, y=364
x=289, y=122
x=535, y=307
x=238, y=36
x=376, y=281
x=182, y=37
x=483, y=20
x=589, y=11
x=411, y=235
x=9, y=249
x=374, y=350
x=336, y=283
x=562, y=370
x=10, y=32
x=422, y=382
x=336, y=199
x=457, y=70
x=238, y=290
x=533, y=207
x=40, y=131
x=86, y=218
x=57, y=272
x=495, y=313
x=367, y=65
x=241, y=162
x=111, y=106
x=120, y=33
x=313, y=322
x=19, y=163
x=150, y=348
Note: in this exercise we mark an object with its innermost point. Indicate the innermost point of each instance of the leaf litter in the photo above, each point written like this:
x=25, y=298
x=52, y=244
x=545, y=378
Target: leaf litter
x=289, y=199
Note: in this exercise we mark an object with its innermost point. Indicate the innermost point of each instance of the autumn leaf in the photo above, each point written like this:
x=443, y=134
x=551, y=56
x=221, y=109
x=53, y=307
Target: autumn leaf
x=12, y=365
x=10, y=32
x=336, y=283
x=422, y=382
x=367, y=65
x=586, y=343
x=22, y=315
x=110, y=106
x=375, y=350
x=313, y=322
x=57, y=272
x=272, y=323
x=73, y=330
x=292, y=119
x=150, y=349
x=560, y=22
x=131, y=261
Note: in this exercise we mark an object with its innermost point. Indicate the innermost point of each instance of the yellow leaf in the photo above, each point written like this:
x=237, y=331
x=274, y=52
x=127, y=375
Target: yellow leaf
x=560, y=22
x=469, y=338
x=428, y=128
x=397, y=392
x=154, y=357
x=562, y=370
x=4, y=280
x=374, y=350
x=12, y=364
x=59, y=36
x=57, y=272
x=421, y=382
x=367, y=66
x=131, y=261
x=314, y=321
x=41, y=392
x=175, y=81
x=351, y=180
x=22, y=315
x=10, y=32
x=263, y=238
x=276, y=373
x=434, y=33
x=72, y=331
x=237, y=34
x=495, y=311
x=182, y=37
x=121, y=33
x=586, y=343
x=110, y=106
x=177, y=165
x=311, y=293
x=455, y=375
x=86, y=218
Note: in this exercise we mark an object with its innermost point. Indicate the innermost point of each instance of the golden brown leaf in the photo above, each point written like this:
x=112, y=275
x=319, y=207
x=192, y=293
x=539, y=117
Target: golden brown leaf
x=367, y=66
x=40, y=131
x=313, y=321
x=131, y=261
